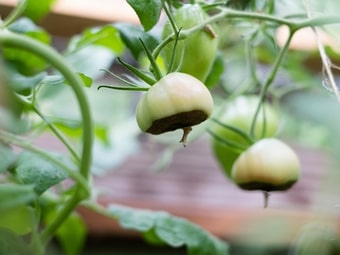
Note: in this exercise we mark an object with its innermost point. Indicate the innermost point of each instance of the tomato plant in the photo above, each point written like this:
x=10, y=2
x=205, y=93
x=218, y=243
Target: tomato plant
x=45, y=91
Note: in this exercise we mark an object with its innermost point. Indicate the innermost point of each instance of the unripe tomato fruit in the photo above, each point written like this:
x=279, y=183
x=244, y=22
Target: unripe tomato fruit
x=195, y=54
x=178, y=100
x=267, y=165
x=239, y=113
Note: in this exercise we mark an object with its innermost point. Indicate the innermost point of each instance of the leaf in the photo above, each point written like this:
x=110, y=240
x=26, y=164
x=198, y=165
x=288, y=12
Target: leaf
x=106, y=36
x=131, y=36
x=6, y=157
x=18, y=219
x=86, y=79
x=172, y=230
x=13, y=244
x=31, y=168
x=148, y=11
x=215, y=73
x=22, y=83
x=37, y=9
x=89, y=60
x=53, y=80
x=26, y=62
x=13, y=195
x=73, y=229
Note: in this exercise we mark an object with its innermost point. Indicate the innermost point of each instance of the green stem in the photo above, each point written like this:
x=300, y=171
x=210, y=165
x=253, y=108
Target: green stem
x=269, y=81
x=317, y=21
x=47, y=53
x=17, y=11
x=227, y=13
x=9, y=138
x=52, y=127
x=223, y=14
x=251, y=62
x=57, y=133
x=67, y=209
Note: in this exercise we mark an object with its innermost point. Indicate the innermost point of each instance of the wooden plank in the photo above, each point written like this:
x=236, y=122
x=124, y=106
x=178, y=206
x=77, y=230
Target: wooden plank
x=69, y=17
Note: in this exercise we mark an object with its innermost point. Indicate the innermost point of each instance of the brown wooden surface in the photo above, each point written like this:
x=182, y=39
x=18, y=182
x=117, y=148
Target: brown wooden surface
x=70, y=17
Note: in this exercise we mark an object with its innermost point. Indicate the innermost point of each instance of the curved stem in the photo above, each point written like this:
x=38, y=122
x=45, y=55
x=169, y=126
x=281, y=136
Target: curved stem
x=47, y=53
x=50, y=55
x=19, y=9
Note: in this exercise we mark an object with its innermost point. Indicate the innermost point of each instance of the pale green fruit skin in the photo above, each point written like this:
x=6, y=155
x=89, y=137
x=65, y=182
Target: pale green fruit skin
x=174, y=93
x=239, y=113
x=195, y=54
x=268, y=165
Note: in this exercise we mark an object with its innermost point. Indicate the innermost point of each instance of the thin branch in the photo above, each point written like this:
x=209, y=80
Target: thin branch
x=326, y=62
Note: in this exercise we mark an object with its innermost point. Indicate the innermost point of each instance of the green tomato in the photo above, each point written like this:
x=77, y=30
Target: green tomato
x=267, y=165
x=195, y=54
x=239, y=113
x=177, y=101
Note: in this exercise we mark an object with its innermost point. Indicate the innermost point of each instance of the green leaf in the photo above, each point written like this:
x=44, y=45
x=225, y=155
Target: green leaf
x=148, y=11
x=89, y=60
x=216, y=72
x=53, y=80
x=26, y=62
x=13, y=195
x=131, y=36
x=24, y=25
x=22, y=83
x=33, y=169
x=73, y=229
x=37, y=9
x=6, y=157
x=172, y=230
x=18, y=219
x=13, y=244
x=86, y=79
x=106, y=36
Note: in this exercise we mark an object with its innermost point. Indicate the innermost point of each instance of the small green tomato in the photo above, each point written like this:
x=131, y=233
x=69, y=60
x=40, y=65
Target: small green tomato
x=268, y=165
x=177, y=101
x=195, y=54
